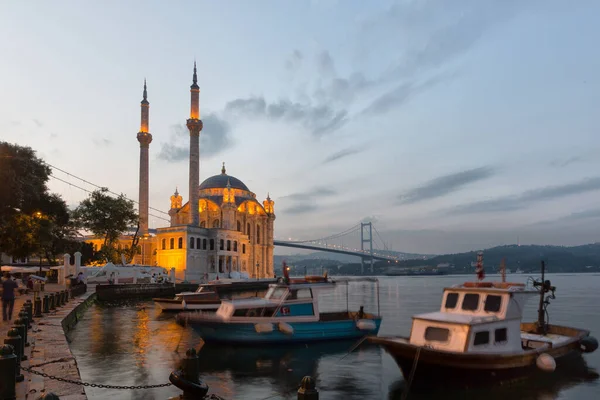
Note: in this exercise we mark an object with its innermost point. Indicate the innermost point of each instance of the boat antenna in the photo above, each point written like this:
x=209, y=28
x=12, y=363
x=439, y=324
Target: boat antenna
x=544, y=287
x=503, y=269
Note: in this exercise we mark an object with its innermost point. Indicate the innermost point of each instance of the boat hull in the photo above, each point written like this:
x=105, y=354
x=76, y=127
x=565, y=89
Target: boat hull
x=303, y=332
x=170, y=305
x=480, y=369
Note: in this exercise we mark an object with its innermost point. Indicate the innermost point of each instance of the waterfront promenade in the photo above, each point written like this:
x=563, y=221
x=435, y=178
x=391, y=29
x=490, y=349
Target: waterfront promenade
x=49, y=350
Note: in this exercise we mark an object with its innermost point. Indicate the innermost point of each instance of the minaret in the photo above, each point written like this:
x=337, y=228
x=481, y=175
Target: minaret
x=194, y=125
x=145, y=138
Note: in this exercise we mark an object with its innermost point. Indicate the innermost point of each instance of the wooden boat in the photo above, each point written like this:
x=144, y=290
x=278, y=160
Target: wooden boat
x=208, y=296
x=288, y=313
x=477, y=338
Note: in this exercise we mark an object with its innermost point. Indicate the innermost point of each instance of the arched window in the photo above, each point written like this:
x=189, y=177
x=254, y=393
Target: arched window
x=222, y=245
x=191, y=243
x=180, y=243
x=216, y=223
x=164, y=244
x=172, y=243
x=235, y=245
x=212, y=244
x=229, y=245
x=204, y=244
x=198, y=243
x=239, y=226
x=243, y=248
x=203, y=224
x=257, y=234
x=220, y=265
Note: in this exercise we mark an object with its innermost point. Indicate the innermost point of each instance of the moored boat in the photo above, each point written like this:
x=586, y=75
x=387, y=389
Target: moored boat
x=208, y=296
x=477, y=338
x=288, y=313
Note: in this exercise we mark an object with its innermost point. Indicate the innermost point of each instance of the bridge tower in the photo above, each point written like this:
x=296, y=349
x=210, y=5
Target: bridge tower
x=366, y=227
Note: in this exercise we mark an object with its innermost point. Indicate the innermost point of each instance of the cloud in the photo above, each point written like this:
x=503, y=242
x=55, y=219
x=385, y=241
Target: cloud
x=301, y=208
x=573, y=217
x=214, y=138
x=325, y=64
x=294, y=61
x=318, y=119
x=446, y=184
x=101, y=142
x=318, y=191
x=343, y=153
x=525, y=199
x=561, y=163
x=38, y=123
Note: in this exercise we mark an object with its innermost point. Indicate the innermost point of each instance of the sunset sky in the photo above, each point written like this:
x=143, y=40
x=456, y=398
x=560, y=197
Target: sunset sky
x=452, y=125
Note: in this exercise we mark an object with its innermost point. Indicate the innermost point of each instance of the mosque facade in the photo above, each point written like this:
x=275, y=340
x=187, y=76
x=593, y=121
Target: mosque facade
x=222, y=228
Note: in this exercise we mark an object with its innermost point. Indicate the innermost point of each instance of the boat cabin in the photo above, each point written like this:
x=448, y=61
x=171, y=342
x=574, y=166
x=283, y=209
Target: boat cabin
x=297, y=300
x=480, y=317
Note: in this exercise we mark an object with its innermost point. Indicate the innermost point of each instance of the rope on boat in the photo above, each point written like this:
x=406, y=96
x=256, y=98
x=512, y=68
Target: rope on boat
x=352, y=348
x=412, y=374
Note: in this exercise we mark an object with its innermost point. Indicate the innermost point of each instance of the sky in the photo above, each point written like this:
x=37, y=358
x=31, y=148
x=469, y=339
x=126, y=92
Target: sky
x=451, y=125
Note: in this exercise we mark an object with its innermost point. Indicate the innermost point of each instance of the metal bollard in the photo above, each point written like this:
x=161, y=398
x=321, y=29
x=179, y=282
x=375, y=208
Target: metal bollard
x=29, y=309
x=308, y=390
x=61, y=297
x=37, y=308
x=20, y=325
x=66, y=296
x=187, y=378
x=49, y=396
x=13, y=339
x=46, y=303
x=7, y=378
x=23, y=315
x=52, y=301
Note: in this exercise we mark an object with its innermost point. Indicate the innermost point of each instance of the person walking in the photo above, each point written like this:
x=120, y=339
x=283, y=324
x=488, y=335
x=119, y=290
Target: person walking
x=8, y=297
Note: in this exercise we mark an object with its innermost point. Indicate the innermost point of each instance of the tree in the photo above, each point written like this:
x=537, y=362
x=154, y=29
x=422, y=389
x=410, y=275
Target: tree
x=107, y=217
x=32, y=220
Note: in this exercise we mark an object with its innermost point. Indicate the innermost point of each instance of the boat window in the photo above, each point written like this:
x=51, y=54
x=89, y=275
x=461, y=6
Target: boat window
x=500, y=335
x=492, y=303
x=470, y=302
x=300, y=294
x=277, y=293
x=436, y=334
x=451, y=300
x=481, y=338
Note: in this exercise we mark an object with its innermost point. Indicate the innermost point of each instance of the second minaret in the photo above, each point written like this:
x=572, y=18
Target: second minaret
x=194, y=125
x=145, y=138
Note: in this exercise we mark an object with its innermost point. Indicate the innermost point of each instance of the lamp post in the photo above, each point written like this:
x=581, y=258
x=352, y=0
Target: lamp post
x=257, y=277
x=39, y=215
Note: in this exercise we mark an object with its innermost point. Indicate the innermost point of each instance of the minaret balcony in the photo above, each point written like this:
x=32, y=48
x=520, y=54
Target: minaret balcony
x=144, y=138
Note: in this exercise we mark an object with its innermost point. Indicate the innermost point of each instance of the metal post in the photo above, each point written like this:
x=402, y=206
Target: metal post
x=308, y=390
x=23, y=333
x=23, y=316
x=29, y=309
x=8, y=363
x=187, y=378
x=46, y=303
x=14, y=339
x=38, y=308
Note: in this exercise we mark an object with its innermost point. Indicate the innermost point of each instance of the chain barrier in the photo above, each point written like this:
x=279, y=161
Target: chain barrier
x=95, y=385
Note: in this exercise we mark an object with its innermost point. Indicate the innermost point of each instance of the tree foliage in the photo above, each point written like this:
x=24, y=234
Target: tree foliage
x=106, y=217
x=32, y=220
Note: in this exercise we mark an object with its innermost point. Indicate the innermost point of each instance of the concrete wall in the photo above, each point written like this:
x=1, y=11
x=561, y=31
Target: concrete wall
x=141, y=291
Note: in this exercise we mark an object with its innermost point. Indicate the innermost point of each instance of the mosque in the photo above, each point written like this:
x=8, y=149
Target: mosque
x=221, y=229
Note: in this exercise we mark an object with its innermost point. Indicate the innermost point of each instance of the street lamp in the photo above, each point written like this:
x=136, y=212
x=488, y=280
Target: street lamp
x=39, y=216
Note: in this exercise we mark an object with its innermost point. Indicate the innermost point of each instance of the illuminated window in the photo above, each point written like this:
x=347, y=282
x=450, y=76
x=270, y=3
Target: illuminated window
x=191, y=243
x=164, y=244
x=235, y=245
x=257, y=234
x=172, y=243
x=243, y=248
x=180, y=243
x=229, y=245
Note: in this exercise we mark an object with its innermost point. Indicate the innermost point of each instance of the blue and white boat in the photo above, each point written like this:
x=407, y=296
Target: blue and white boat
x=288, y=313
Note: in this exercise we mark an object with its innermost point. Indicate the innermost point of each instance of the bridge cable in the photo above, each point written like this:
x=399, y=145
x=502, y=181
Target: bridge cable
x=334, y=236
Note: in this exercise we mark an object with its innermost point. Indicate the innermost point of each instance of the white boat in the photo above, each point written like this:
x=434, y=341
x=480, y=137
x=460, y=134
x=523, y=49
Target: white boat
x=208, y=296
x=477, y=338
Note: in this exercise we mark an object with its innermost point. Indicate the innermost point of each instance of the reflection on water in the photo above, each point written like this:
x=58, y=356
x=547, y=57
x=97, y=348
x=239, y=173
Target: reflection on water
x=135, y=344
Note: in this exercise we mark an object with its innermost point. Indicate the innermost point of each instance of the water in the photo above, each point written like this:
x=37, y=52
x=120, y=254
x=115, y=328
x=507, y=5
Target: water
x=136, y=344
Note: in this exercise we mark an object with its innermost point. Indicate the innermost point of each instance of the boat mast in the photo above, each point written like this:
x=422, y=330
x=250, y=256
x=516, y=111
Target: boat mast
x=503, y=269
x=541, y=313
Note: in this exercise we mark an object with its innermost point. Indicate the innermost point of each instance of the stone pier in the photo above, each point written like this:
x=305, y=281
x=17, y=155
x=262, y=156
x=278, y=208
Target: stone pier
x=49, y=351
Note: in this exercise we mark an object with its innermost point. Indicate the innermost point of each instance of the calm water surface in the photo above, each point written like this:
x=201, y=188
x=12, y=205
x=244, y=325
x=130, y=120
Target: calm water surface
x=136, y=344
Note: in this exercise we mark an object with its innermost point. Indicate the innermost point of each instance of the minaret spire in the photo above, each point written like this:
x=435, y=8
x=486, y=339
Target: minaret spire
x=145, y=138
x=194, y=125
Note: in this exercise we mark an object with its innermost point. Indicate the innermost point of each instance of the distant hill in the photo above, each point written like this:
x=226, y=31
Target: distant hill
x=585, y=258
x=344, y=258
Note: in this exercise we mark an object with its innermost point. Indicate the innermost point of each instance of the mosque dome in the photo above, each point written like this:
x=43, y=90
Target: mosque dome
x=220, y=182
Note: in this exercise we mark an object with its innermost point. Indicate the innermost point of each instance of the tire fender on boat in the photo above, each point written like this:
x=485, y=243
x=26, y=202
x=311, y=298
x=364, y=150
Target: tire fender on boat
x=366, y=325
x=546, y=362
x=263, y=327
x=285, y=328
x=588, y=344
